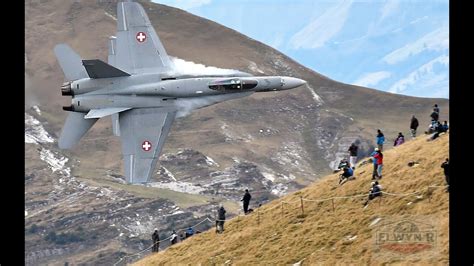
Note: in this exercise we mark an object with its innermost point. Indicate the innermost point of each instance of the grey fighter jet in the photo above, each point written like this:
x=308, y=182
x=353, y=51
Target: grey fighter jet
x=138, y=89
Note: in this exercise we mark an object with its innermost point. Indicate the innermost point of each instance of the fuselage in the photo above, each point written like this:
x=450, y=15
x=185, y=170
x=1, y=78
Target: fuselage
x=155, y=90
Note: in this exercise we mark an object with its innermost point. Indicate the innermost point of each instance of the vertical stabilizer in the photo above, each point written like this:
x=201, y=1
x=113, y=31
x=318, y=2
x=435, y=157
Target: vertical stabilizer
x=70, y=62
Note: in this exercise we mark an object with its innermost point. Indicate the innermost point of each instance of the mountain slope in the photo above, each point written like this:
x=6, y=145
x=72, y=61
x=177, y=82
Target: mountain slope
x=273, y=143
x=326, y=236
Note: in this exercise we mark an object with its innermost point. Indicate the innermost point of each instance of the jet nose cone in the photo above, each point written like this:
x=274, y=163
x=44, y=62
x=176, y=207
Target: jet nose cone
x=290, y=83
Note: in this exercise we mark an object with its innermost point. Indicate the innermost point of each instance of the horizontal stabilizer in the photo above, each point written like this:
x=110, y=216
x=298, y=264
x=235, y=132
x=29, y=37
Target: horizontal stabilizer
x=74, y=129
x=98, y=69
x=70, y=62
x=99, y=113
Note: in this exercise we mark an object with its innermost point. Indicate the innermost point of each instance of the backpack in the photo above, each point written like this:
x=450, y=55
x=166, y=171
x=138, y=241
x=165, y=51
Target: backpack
x=350, y=171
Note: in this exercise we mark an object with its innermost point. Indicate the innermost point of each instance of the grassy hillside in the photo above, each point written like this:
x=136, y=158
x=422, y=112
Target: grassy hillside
x=326, y=236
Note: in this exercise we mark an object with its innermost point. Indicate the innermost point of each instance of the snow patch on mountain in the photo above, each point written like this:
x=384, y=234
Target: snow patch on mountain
x=37, y=110
x=34, y=131
x=210, y=161
x=288, y=177
x=289, y=154
x=269, y=176
x=167, y=173
x=232, y=135
x=316, y=97
x=55, y=162
x=279, y=190
x=253, y=67
x=178, y=186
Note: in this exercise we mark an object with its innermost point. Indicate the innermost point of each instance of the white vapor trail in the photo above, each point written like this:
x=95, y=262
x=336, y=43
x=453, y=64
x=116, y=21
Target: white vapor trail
x=182, y=67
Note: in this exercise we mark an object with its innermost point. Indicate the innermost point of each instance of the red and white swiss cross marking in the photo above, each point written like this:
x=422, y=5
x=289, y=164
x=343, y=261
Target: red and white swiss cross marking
x=146, y=145
x=141, y=36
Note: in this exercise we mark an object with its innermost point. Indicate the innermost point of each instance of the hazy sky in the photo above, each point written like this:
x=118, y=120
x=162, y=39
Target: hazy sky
x=396, y=46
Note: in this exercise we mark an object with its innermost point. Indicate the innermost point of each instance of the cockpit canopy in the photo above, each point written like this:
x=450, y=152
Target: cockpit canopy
x=234, y=84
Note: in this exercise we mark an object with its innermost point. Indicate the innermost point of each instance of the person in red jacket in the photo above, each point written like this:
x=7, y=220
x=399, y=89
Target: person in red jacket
x=379, y=158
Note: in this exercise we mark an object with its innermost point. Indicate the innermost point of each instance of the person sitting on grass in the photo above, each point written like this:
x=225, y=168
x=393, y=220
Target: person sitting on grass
x=375, y=191
x=346, y=174
x=399, y=140
x=445, y=126
x=439, y=129
x=341, y=165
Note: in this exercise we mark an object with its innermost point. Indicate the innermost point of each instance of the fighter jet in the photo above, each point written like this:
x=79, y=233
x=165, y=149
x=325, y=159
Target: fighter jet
x=138, y=89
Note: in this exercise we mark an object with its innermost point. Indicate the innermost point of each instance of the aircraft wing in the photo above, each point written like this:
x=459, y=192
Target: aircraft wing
x=99, y=113
x=143, y=132
x=136, y=48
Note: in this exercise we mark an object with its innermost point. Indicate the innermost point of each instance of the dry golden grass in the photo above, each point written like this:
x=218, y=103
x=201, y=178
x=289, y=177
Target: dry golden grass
x=320, y=236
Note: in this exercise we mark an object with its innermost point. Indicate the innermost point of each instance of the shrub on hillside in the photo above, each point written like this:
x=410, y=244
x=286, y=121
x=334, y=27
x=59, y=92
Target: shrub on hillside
x=63, y=238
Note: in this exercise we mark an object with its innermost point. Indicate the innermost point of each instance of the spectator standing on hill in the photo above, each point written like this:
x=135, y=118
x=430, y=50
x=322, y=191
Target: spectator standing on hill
x=413, y=126
x=445, y=167
x=436, y=108
x=399, y=140
x=353, y=155
x=155, y=237
x=434, y=116
x=246, y=201
x=374, y=160
x=220, y=219
x=380, y=139
x=379, y=157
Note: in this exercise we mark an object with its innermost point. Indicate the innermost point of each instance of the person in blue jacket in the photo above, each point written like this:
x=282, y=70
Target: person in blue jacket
x=189, y=232
x=438, y=129
x=347, y=173
x=380, y=139
x=445, y=126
